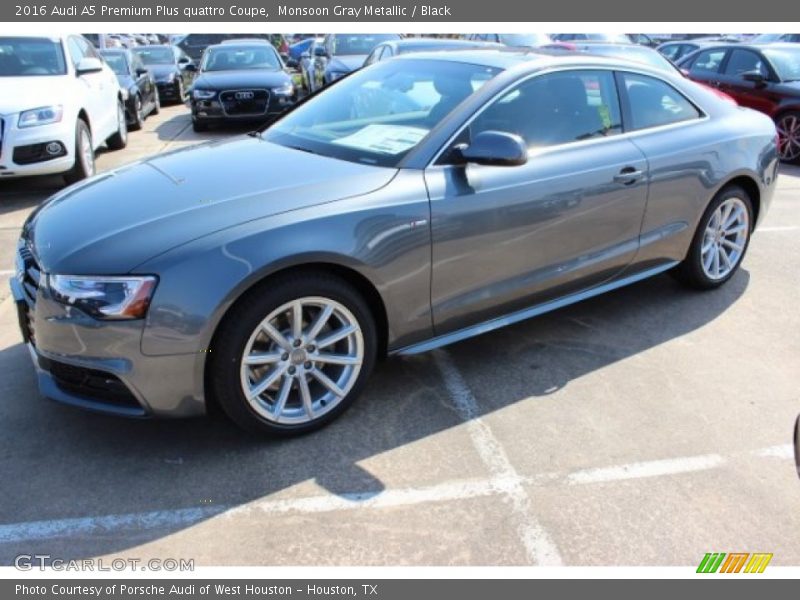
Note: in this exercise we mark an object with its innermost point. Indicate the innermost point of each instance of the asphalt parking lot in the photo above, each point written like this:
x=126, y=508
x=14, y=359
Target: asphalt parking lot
x=644, y=427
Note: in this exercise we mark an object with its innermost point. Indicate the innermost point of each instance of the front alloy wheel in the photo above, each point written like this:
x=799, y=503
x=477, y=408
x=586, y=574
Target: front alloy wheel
x=293, y=353
x=302, y=360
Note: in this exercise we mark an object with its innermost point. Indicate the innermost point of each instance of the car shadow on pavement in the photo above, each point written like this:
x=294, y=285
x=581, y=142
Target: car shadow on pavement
x=62, y=463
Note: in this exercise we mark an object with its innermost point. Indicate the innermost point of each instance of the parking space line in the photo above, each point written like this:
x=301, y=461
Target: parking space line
x=540, y=547
x=507, y=484
x=653, y=468
x=7, y=272
x=777, y=228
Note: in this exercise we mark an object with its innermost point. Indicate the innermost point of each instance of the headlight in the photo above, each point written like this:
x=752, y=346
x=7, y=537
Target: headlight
x=334, y=75
x=108, y=298
x=40, y=116
x=203, y=94
x=284, y=90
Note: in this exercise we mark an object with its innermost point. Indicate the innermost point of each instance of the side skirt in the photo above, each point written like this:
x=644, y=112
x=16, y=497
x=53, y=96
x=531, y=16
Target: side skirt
x=527, y=313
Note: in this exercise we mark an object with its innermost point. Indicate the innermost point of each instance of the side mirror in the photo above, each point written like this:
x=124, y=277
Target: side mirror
x=754, y=76
x=190, y=67
x=495, y=148
x=320, y=51
x=141, y=71
x=88, y=65
x=184, y=60
x=291, y=63
x=305, y=54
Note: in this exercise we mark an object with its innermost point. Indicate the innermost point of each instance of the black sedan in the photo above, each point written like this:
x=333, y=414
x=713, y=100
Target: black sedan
x=137, y=84
x=240, y=82
x=172, y=69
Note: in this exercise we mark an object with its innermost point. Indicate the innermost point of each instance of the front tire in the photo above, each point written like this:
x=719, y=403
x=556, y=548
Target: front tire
x=293, y=354
x=720, y=242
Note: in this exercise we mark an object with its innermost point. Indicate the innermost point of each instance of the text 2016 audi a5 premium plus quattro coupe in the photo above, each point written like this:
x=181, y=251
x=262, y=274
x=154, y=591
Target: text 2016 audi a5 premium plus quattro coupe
x=415, y=203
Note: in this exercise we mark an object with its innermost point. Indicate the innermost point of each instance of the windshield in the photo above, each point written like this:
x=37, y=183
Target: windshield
x=235, y=58
x=155, y=55
x=117, y=63
x=31, y=56
x=524, y=39
x=378, y=115
x=359, y=44
x=786, y=62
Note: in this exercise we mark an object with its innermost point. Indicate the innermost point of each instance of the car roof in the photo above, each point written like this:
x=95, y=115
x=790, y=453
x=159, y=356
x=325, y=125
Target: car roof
x=234, y=41
x=242, y=42
x=508, y=58
x=430, y=42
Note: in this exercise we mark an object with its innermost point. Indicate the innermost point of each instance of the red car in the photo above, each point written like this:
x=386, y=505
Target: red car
x=764, y=77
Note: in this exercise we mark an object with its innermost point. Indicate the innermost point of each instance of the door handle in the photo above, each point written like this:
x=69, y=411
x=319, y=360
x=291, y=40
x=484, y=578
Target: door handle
x=628, y=176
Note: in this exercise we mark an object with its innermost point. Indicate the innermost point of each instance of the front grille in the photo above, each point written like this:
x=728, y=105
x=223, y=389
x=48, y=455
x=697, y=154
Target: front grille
x=32, y=274
x=238, y=103
x=90, y=383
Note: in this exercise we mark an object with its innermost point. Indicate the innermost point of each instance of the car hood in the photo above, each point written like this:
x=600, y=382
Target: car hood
x=162, y=71
x=116, y=221
x=23, y=93
x=346, y=63
x=225, y=80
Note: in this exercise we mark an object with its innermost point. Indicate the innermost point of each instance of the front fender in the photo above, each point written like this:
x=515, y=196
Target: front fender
x=384, y=236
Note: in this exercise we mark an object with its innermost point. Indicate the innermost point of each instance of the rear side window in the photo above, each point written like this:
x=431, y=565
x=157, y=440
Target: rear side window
x=556, y=108
x=706, y=62
x=672, y=51
x=743, y=61
x=653, y=103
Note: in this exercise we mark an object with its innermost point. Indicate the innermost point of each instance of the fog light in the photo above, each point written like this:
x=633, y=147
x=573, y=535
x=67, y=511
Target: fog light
x=54, y=148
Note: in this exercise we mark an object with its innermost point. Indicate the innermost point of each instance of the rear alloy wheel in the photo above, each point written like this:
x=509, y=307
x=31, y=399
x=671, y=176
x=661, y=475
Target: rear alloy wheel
x=84, y=154
x=294, y=358
x=120, y=139
x=720, y=241
x=788, y=126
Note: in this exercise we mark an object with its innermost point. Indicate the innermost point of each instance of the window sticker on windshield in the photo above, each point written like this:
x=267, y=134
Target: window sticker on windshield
x=385, y=139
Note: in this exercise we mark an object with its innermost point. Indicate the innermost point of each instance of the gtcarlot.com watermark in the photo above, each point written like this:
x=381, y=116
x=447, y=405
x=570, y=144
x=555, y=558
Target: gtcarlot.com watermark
x=29, y=562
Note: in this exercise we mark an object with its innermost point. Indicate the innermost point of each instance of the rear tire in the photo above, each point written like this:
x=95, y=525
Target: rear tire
x=788, y=125
x=720, y=242
x=293, y=375
x=120, y=139
x=84, y=154
x=138, y=115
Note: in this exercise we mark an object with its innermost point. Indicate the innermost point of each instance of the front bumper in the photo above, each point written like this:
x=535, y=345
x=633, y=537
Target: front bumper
x=216, y=110
x=99, y=365
x=30, y=142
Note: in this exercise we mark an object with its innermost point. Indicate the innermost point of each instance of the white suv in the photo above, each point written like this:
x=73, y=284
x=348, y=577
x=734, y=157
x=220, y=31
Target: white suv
x=60, y=102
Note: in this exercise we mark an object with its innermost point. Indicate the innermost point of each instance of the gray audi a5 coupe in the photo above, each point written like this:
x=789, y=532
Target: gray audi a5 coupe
x=414, y=203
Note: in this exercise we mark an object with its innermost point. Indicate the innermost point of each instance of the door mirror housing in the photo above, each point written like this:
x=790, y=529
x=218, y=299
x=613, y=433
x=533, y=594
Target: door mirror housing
x=320, y=51
x=291, y=63
x=190, y=67
x=184, y=60
x=494, y=148
x=754, y=76
x=88, y=65
x=141, y=71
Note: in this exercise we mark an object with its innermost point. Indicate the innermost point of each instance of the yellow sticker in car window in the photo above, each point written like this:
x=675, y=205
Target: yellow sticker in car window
x=605, y=115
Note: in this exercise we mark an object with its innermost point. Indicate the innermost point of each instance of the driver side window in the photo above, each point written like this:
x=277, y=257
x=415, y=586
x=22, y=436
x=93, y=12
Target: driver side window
x=556, y=108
